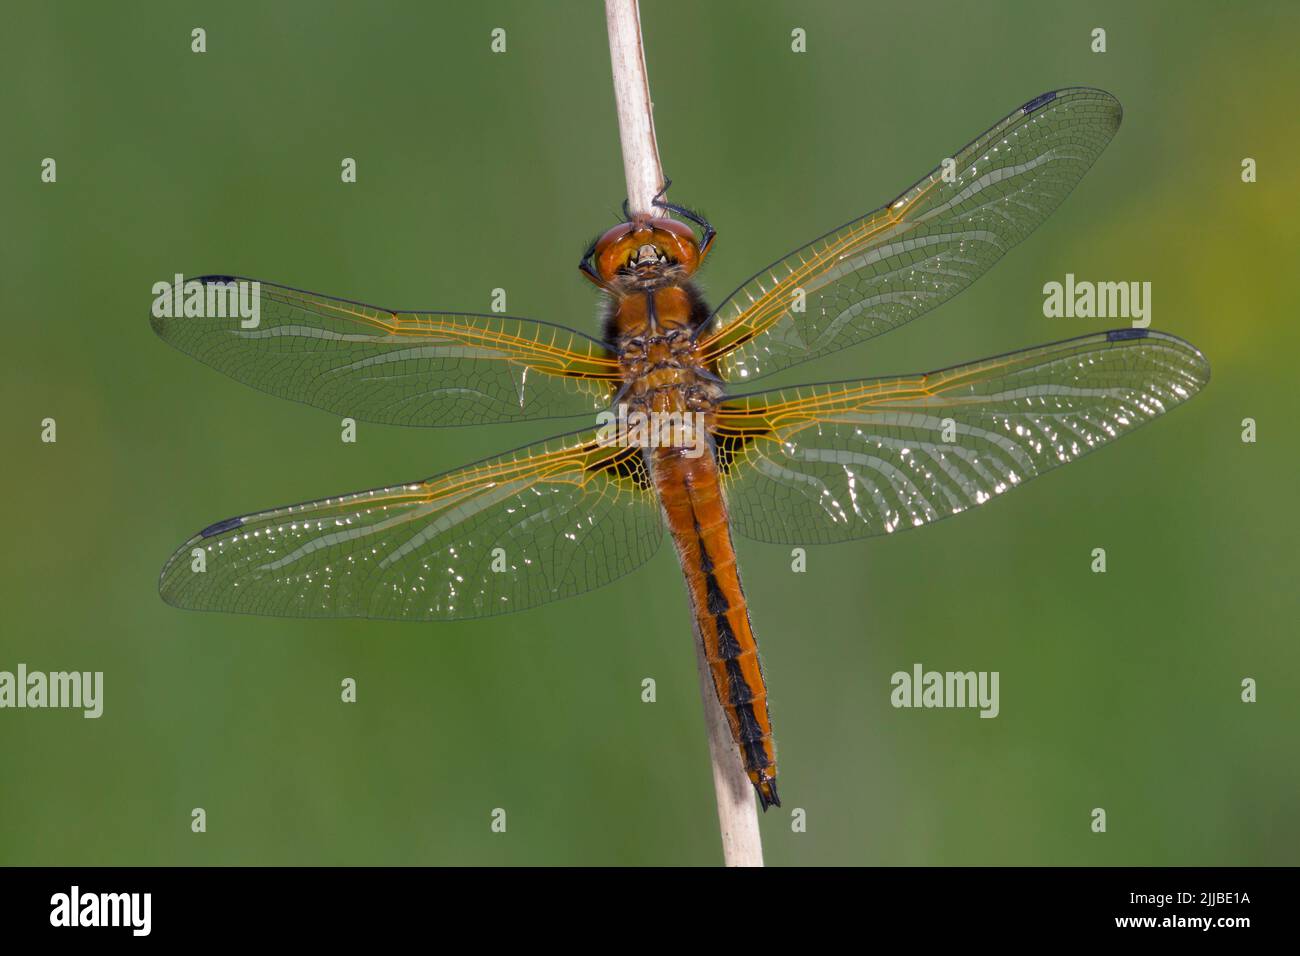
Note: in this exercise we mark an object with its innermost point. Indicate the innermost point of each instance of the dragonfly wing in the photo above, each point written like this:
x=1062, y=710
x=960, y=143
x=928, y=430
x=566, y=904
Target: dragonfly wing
x=399, y=368
x=845, y=460
x=888, y=267
x=545, y=522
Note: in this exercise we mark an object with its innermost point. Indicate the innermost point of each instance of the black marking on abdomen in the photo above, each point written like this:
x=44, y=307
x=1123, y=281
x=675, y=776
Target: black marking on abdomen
x=717, y=604
x=728, y=646
x=740, y=692
x=749, y=729
x=706, y=562
x=717, y=601
x=740, y=695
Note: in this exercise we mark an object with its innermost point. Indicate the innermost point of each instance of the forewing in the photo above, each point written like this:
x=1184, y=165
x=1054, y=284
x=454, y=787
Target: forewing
x=399, y=368
x=886, y=268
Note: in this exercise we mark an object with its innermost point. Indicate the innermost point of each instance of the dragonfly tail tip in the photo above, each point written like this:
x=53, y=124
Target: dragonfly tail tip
x=767, y=796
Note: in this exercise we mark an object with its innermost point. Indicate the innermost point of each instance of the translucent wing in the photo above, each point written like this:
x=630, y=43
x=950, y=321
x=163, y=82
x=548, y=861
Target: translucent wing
x=892, y=265
x=399, y=368
x=826, y=463
x=545, y=522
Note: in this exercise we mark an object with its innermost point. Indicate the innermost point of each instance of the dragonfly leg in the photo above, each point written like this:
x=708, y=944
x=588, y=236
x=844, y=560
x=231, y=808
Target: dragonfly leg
x=706, y=240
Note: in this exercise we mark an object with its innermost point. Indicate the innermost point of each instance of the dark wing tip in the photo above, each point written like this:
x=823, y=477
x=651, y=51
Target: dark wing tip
x=1116, y=110
x=162, y=325
x=221, y=526
x=1038, y=102
x=1120, y=335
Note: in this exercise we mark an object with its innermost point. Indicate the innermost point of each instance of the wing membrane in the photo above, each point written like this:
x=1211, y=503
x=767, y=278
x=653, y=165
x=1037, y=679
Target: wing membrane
x=890, y=266
x=400, y=368
x=549, y=521
x=828, y=463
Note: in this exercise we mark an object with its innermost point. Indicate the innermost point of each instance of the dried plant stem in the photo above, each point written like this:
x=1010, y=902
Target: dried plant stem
x=737, y=815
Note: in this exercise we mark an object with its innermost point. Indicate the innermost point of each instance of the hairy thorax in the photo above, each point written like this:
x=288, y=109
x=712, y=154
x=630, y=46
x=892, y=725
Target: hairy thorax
x=653, y=326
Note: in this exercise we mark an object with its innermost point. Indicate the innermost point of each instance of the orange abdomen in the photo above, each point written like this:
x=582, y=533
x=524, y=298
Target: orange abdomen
x=697, y=518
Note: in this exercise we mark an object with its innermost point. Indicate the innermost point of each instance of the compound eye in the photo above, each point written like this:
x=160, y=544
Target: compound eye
x=613, y=235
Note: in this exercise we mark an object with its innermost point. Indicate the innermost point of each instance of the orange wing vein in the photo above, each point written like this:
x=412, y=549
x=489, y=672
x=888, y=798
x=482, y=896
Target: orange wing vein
x=846, y=460
x=401, y=368
x=545, y=522
x=884, y=269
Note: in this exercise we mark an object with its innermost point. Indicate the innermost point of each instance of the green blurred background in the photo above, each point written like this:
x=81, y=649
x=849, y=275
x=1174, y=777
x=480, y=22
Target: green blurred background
x=479, y=171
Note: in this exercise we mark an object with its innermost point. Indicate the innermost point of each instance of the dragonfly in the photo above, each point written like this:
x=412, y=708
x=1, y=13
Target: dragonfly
x=809, y=464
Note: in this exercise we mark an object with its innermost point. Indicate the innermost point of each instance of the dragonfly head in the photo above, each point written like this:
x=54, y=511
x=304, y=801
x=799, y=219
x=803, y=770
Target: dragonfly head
x=646, y=250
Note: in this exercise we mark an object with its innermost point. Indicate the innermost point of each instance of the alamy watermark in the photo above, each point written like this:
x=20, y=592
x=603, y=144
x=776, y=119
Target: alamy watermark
x=211, y=298
x=73, y=690
x=76, y=908
x=922, y=688
x=1081, y=299
x=685, y=430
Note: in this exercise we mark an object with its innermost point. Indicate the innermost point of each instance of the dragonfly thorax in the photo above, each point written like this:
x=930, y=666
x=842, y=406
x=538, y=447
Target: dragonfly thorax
x=663, y=374
x=654, y=332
